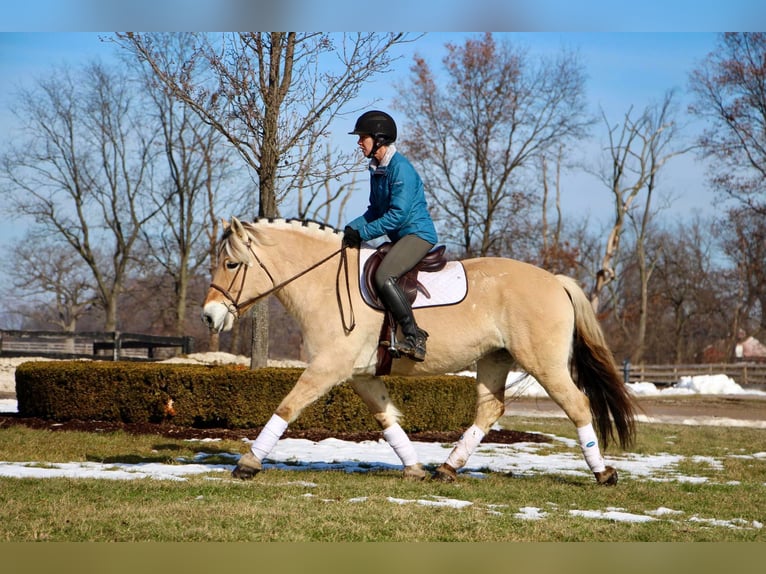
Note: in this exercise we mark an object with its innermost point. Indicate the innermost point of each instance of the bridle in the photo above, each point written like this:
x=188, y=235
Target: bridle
x=236, y=306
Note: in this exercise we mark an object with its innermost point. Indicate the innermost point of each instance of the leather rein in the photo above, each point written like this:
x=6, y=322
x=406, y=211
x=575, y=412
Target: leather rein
x=238, y=306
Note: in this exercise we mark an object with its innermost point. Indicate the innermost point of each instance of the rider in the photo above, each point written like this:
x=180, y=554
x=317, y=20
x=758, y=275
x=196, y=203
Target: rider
x=398, y=209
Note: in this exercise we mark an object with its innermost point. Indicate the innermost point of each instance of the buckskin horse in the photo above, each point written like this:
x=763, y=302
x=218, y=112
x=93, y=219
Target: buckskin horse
x=513, y=316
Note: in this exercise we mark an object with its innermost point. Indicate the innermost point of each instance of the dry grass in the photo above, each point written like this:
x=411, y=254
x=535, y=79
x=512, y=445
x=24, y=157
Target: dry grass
x=326, y=506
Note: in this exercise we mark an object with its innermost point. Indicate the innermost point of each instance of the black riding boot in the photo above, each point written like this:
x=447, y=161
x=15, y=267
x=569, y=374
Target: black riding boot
x=414, y=343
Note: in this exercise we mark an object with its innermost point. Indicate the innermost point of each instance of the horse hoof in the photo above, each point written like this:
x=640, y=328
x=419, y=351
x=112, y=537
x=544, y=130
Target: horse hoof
x=247, y=467
x=445, y=473
x=415, y=472
x=607, y=477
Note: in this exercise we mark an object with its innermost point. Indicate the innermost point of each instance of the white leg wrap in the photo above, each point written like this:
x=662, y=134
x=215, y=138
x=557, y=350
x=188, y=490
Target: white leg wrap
x=590, y=450
x=268, y=437
x=400, y=442
x=465, y=447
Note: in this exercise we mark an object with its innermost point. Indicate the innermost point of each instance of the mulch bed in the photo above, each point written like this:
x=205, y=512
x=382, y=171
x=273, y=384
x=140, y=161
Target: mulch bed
x=179, y=432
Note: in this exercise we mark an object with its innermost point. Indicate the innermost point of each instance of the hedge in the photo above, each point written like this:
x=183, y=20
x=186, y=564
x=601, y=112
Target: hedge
x=225, y=396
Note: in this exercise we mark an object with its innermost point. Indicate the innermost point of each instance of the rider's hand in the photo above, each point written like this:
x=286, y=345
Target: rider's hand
x=351, y=237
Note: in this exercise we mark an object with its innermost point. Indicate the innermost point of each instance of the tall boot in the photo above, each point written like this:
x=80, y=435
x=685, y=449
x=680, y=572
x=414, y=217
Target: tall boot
x=414, y=343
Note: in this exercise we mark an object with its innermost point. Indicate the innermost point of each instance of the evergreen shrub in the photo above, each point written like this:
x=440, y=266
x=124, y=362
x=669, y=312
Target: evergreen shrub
x=225, y=396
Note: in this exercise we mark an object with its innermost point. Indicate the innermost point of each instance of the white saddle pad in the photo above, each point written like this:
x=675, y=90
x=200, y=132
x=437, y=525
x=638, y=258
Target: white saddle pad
x=446, y=287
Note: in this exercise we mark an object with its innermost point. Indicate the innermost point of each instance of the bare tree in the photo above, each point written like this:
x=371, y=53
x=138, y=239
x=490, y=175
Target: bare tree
x=51, y=280
x=550, y=238
x=474, y=133
x=637, y=150
x=559, y=249
x=686, y=294
x=266, y=93
x=745, y=245
x=318, y=201
x=184, y=235
x=730, y=91
x=82, y=171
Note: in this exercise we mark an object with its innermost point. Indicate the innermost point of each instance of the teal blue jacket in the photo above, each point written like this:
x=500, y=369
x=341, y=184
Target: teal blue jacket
x=397, y=204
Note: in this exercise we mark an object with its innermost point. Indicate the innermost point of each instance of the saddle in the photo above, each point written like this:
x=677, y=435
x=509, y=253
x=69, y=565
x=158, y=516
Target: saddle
x=433, y=261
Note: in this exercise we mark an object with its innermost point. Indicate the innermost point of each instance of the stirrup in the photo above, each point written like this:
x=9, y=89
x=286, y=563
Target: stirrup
x=414, y=347
x=393, y=350
x=392, y=344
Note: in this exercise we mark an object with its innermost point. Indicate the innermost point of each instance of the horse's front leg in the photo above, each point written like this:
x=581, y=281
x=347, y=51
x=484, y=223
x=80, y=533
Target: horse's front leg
x=312, y=384
x=375, y=395
x=490, y=405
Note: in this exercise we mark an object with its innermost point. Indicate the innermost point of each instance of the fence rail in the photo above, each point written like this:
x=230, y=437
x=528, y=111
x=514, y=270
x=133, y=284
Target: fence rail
x=114, y=345
x=749, y=375
x=110, y=345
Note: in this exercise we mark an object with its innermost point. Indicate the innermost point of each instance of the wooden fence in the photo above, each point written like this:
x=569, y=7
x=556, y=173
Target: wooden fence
x=92, y=345
x=747, y=375
x=133, y=346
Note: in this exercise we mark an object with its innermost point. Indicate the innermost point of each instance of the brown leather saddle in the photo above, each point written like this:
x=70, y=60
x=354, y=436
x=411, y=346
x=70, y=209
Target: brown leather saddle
x=433, y=261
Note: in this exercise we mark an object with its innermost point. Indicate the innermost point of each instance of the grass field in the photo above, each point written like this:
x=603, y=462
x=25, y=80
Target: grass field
x=716, y=491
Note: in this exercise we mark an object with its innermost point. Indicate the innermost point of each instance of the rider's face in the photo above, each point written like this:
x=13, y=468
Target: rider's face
x=365, y=144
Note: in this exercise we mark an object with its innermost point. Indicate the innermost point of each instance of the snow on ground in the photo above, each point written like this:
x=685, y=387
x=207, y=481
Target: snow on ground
x=521, y=385
x=520, y=459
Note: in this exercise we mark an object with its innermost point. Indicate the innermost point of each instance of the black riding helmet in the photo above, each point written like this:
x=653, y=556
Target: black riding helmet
x=377, y=124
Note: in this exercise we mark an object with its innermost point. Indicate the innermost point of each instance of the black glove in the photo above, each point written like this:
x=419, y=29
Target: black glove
x=351, y=237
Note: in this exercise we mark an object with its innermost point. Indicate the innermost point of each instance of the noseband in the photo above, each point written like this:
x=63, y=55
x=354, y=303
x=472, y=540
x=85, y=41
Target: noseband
x=237, y=306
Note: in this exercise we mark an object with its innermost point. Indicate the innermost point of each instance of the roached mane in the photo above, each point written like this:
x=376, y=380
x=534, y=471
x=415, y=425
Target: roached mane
x=238, y=250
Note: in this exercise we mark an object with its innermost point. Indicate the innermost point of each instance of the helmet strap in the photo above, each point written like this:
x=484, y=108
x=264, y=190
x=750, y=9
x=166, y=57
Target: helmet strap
x=377, y=143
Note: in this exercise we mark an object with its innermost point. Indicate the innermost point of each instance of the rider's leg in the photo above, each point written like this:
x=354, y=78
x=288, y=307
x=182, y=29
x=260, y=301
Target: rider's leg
x=403, y=256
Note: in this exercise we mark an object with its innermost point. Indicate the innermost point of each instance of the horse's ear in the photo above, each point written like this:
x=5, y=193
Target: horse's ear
x=237, y=228
x=225, y=224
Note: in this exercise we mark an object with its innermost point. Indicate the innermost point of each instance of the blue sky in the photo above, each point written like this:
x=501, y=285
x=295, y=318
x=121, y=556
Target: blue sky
x=512, y=15
x=624, y=70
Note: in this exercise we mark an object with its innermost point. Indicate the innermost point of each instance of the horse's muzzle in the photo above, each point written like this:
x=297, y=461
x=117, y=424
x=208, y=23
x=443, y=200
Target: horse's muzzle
x=217, y=317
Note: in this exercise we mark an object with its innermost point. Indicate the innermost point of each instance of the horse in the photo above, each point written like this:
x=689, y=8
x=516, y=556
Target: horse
x=514, y=316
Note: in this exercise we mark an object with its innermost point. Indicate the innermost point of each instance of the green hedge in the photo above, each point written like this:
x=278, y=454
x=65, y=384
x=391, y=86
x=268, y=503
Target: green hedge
x=225, y=396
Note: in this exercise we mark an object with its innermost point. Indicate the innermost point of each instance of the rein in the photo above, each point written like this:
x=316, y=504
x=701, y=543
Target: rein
x=343, y=264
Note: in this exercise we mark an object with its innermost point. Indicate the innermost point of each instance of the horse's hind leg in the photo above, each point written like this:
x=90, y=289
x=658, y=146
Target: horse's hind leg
x=491, y=374
x=375, y=395
x=562, y=390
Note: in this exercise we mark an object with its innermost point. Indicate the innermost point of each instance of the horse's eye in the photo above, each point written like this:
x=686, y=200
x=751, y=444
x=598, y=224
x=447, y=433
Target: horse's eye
x=232, y=265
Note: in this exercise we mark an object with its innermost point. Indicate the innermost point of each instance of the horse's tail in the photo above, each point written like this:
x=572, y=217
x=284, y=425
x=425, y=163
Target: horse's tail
x=595, y=372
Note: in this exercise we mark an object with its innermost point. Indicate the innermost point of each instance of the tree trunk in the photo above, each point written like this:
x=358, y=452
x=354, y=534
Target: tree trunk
x=638, y=353
x=181, y=301
x=267, y=197
x=214, y=343
x=606, y=274
x=260, y=339
x=110, y=320
x=678, y=331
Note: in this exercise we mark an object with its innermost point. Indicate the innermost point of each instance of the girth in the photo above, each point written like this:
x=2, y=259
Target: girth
x=433, y=261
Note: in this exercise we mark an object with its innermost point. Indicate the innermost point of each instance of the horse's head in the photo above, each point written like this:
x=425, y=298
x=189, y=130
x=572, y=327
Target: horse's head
x=234, y=288
x=265, y=257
